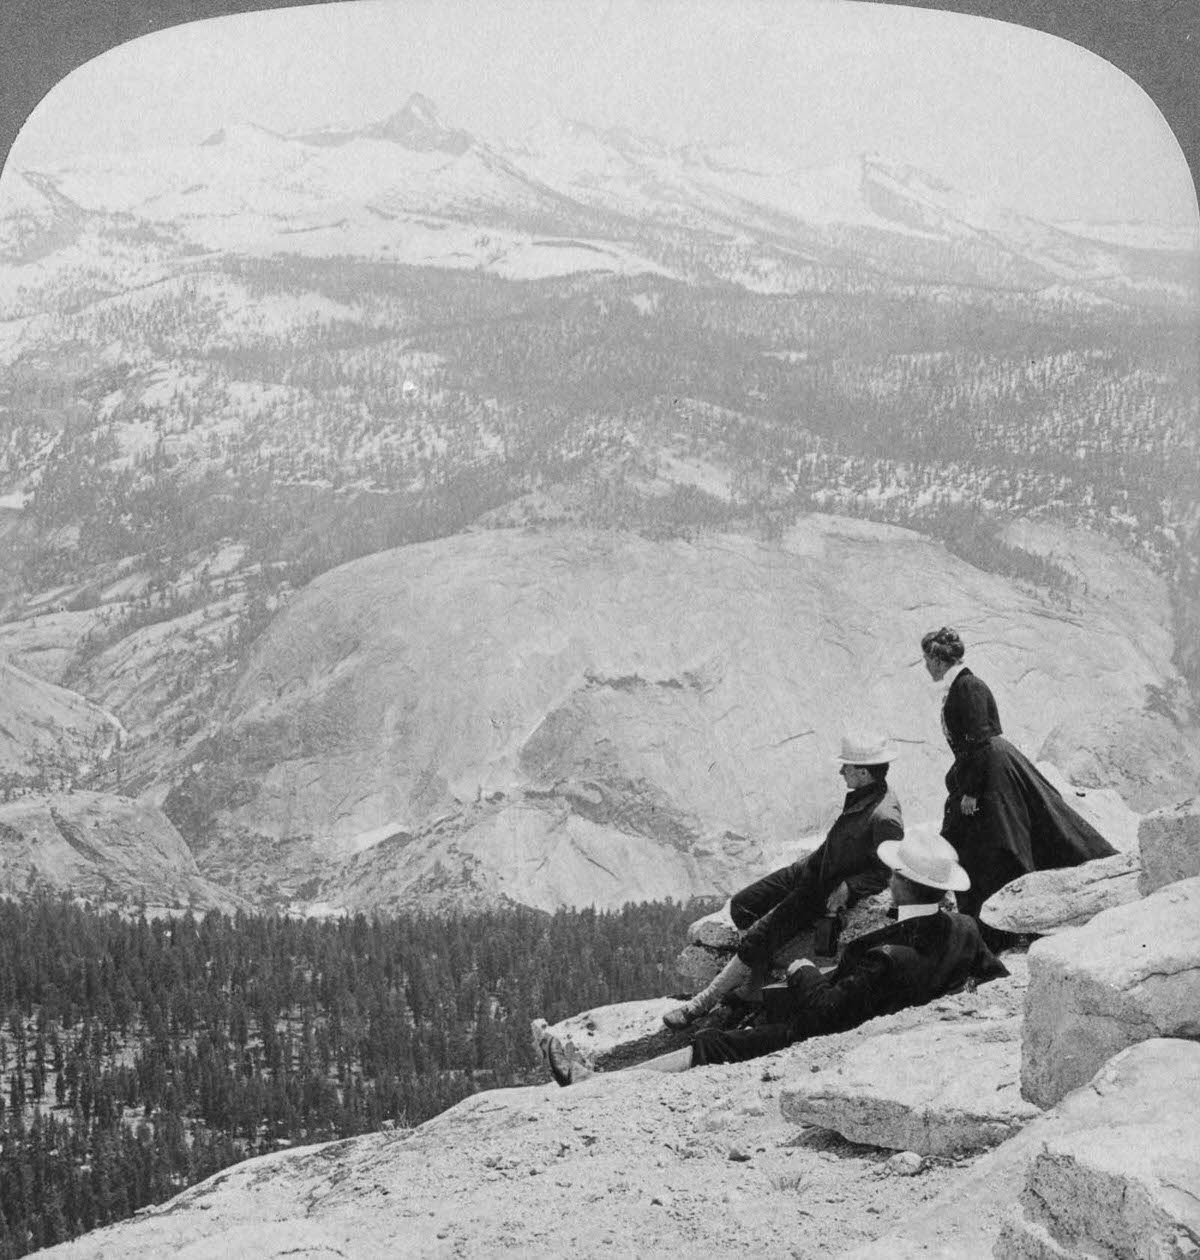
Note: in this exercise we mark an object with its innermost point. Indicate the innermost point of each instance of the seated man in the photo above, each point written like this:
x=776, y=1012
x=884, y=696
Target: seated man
x=841, y=871
x=927, y=953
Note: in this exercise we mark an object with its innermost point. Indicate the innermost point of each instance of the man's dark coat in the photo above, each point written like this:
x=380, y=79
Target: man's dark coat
x=778, y=907
x=904, y=964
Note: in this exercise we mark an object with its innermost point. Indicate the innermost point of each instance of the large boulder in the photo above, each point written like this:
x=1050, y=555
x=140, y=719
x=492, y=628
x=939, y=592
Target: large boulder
x=1130, y=974
x=1124, y=1181
x=715, y=931
x=1169, y=840
x=894, y=1090
x=618, y=1035
x=1044, y=902
x=1137, y=1181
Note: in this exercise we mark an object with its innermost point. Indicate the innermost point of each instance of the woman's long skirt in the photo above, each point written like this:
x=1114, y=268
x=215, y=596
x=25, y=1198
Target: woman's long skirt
x=1022, y=824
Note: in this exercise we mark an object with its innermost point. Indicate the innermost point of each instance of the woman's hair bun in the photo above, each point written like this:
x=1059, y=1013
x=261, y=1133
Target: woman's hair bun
x=944, y=644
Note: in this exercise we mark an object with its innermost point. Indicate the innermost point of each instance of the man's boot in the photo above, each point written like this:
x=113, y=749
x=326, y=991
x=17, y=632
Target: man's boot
x=732, y=976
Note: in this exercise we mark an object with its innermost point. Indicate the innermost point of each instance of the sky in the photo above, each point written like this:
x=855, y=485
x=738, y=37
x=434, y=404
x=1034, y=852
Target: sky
x=1016, y=116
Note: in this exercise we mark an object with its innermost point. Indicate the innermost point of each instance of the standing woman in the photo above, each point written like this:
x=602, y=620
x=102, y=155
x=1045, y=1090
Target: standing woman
x=1002, y=815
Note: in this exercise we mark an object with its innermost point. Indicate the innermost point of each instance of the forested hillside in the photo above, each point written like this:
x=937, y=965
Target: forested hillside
x=138, y=1057
x=316, y=411
x=457, y=391
x=191, y=452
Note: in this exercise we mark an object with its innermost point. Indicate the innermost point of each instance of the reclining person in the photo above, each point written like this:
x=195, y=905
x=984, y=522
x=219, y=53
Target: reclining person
x=842, y=870
x=927, y=953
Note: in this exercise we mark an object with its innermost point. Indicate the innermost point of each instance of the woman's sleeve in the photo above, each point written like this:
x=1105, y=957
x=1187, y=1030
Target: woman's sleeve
x=971, y=715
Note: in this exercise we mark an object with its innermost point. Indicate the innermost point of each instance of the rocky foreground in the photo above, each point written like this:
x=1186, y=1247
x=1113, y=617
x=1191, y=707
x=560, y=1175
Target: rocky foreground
x=1050, y=1115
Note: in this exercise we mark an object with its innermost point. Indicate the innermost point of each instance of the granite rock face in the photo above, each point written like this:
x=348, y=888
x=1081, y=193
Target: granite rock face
x=1131, y=974
x=1169, y=840
x=560, y=717
x=109, y=850
x=1045, y=902
x=1119, y=1175
x=49, y=734
x=1127, y=1182
x=944, y=1088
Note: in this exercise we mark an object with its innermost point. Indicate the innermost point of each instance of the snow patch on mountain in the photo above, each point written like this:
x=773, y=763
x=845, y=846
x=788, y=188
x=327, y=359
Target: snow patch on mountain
x=566, y=198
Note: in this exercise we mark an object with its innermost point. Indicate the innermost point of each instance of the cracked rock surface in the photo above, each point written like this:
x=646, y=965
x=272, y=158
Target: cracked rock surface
x=1131, y=974
x=1110, y=1172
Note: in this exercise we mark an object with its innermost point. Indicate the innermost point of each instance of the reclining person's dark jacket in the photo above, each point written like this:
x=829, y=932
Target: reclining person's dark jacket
x=904, y=964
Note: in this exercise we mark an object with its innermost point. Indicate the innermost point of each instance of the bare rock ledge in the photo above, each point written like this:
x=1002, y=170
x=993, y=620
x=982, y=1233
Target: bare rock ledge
x=886, y=1083
x=1045, y=902
x=947, y=1088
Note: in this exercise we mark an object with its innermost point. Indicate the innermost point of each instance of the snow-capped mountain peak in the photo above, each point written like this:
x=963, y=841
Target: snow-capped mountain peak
x=573, y=194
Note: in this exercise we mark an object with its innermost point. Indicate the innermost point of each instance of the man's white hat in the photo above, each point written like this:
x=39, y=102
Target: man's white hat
x=927, y=858
x=866, y=750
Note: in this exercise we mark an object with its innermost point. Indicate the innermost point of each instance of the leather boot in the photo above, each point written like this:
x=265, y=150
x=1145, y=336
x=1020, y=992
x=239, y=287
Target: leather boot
x=732, y=976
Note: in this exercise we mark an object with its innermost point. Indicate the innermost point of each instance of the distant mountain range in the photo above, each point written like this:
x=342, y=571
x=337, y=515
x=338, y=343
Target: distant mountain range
x=570, y=197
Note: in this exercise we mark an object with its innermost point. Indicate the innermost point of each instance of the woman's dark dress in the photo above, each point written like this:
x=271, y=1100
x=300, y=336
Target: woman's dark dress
x=1022, y=823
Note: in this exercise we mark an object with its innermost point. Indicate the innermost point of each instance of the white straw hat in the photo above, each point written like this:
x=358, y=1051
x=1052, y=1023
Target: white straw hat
x=927, y=858
x=866, y=750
